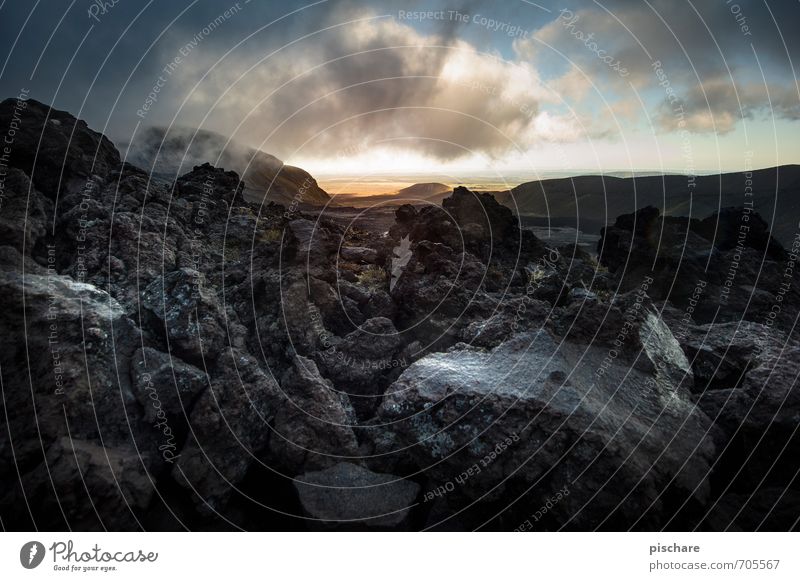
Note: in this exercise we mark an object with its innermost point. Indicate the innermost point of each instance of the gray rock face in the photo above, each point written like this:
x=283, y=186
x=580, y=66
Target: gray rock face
x=97, y=487
x=563, y=407
x=313, y=425
x=365, y=361
x=189, y=312
x=347, y=495
x=66, y=152
x=65, y=360
x=23, y=220
x=78, y=385
x=229, y=430
x=163, y=382
x=312, y=242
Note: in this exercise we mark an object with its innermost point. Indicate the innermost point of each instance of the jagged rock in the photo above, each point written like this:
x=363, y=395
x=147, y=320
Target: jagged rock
x=365, y=361
x=605, y=434
x=722, y=229
x=517, y=314
x=758, y=418
x=543, y=370
x=347, y=495
x=68, y=155
x=209, y=191
x=339, y=312
x=313, y=242
x=73, y=343
x=229, y=429
x=164, y=382
x=188, y=313
x=25, y=212
x=65, y=363
x=85, y=486
x=312, y=427
x=491, y=218
x=644, y=243
x=467, y=221
x=436, y=288
x=731, y=255
x=721, y=354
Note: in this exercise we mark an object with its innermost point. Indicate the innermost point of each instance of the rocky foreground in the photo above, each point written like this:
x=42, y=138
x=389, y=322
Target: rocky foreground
x=176, y=357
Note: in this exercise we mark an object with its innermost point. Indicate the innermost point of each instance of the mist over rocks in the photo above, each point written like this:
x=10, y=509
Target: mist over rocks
x=205, y=361
x=169, y=152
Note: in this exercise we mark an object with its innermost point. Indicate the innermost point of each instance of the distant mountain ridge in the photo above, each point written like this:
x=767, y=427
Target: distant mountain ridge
x=592, y=201
x=175, y=151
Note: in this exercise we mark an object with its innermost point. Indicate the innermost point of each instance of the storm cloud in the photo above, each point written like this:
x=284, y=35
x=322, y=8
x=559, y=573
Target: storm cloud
x=318, y=79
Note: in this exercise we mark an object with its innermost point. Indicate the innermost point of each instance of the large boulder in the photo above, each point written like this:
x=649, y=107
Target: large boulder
x=313, y=424
x=535, y=415
x=164, y=385
x=188, y=313
x=731, y=256
x=59, y=152
x=66, y=351
x=75, y=427
x=25, y=212
x=349, y=496
x=228, y=431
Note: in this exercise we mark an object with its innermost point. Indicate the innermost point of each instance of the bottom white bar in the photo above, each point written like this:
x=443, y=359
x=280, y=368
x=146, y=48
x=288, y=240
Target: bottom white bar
x=369, y=556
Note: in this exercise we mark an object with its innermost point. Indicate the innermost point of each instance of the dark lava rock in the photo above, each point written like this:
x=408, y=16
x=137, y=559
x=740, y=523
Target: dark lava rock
x=90, y=486
x=59, y=152
x=723, y=227
x=74, y=344
x=76, y=425
x=359, y=254
x=365, y=362
x=189, y=313
x=229, y=430
x=349, y=496
x=532, y=414
x=743, y=281
x=142, y=344
x=313, y=425
x=164, y=382
x=25, y=213
x=209, y=190
x=312, y=242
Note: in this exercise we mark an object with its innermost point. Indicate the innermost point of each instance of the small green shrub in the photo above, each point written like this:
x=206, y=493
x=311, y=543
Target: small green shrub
x=373, y=277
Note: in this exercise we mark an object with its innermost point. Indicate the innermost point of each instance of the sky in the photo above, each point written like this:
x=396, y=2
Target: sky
x=428, y=87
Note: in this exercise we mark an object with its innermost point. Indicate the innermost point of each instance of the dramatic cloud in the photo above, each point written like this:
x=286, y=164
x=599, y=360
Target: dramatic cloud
x=313, y=81
x=718, y=105
x=703, y=57
x=378, y=80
